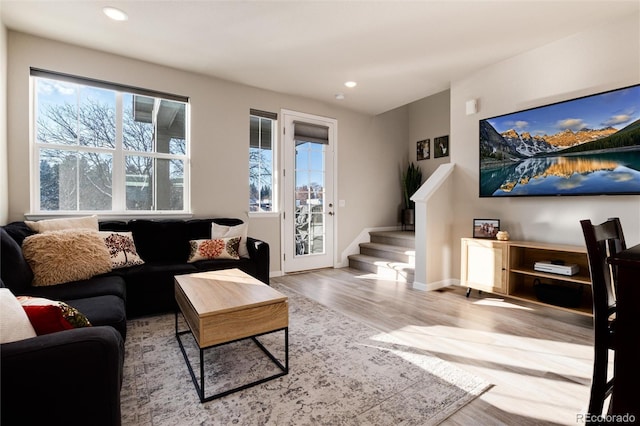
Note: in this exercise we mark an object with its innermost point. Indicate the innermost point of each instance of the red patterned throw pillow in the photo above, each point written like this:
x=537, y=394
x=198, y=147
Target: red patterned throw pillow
x=221, y=248
x=49, y=316
x=222, y=231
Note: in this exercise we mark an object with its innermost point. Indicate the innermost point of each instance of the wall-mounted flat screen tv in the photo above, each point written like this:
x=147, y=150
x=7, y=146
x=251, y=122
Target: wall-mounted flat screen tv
x=584, y=146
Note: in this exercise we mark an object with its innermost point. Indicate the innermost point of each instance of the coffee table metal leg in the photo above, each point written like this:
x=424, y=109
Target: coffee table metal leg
x=200, y=386
x=284, y=368
x=199, y=389
x=202, y=399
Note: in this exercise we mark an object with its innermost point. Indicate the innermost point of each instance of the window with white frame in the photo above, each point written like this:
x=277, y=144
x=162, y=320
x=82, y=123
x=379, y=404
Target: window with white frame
x=106, y=148
x=262, y=191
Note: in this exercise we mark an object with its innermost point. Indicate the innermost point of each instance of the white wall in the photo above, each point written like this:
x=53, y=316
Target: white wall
x=370, y=149
x=429, y=119
x=604, y=58
x=4, y=176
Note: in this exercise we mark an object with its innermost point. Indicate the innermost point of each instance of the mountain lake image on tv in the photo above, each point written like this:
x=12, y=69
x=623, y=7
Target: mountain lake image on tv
x=584, y=146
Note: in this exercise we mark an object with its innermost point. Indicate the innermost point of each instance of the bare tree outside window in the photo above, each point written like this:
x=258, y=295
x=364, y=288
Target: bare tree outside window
x=77, y=143
x=261, y=164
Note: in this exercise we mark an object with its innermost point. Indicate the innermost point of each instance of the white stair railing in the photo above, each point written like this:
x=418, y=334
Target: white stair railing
x=433, y=223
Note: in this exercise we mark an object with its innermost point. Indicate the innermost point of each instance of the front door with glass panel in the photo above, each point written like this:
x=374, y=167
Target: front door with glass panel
x=309, y=212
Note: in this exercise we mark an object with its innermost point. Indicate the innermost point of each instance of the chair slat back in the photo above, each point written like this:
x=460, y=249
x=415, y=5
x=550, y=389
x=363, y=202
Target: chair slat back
x=602, y=241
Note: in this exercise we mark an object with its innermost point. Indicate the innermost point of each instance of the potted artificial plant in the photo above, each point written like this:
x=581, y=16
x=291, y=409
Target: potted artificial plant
x=411, y=181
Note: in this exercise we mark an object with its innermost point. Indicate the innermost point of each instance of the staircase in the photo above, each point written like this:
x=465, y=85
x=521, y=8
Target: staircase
x=390, y=255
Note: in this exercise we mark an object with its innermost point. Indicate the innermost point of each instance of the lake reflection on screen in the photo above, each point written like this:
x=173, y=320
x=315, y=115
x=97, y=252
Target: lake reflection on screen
x=612, y=172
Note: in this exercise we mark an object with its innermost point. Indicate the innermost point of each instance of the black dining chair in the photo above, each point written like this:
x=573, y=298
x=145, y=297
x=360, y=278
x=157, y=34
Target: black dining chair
x=602, y=241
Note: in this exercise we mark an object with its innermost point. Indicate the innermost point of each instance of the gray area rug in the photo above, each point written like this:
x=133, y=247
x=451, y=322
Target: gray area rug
x=341, y=372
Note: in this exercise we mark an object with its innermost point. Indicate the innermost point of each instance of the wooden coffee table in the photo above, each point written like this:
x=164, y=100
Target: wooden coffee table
x=222, y=307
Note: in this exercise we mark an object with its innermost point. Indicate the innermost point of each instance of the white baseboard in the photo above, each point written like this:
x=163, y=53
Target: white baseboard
x=437, y=285
x=275, y=274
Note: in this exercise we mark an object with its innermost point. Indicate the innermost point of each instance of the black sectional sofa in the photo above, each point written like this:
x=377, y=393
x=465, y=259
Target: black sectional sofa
x=74, y=376
x=164, y=246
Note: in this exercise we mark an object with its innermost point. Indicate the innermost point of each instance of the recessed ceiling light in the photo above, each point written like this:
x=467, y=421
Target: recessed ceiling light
x=339, y=96
x=115, y=14
x=351, y=84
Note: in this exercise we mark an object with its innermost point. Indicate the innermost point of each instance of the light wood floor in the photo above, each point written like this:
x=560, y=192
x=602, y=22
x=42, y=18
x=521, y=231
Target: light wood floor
x=539, y=359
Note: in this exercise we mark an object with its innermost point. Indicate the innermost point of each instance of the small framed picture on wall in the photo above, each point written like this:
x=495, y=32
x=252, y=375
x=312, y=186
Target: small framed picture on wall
x=423, y=152
x=441, y=146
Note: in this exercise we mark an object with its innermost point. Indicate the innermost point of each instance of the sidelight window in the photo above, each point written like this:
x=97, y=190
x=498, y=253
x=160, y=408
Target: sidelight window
x=262, y=131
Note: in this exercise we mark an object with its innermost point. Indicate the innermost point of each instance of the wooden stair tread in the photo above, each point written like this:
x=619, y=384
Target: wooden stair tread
x=388, y=247
x=380, y=261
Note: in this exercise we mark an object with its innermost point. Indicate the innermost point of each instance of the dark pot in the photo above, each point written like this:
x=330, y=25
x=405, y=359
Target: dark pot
x=408, y=216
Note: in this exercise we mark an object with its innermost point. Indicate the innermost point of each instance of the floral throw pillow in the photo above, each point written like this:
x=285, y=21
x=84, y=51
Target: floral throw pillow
x=220, y=248
x=122, y=249
x=49, y=316
x=223, y=231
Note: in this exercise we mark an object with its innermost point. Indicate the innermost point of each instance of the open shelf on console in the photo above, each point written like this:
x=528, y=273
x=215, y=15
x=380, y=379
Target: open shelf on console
x=566, y=292
x=522, y=286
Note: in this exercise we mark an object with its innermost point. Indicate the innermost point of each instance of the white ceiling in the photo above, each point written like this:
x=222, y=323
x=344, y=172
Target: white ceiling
x=398, y=51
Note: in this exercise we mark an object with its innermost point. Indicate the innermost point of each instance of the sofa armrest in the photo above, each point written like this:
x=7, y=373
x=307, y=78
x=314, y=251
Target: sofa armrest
x=259, y=253
x=73, y=375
